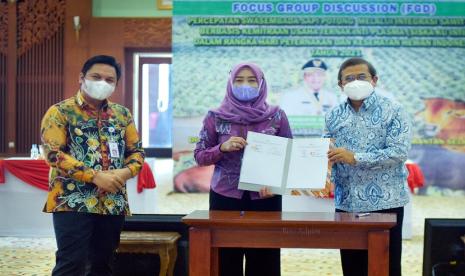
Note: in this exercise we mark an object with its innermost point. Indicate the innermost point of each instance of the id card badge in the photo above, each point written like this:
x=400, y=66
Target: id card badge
x=114, y=152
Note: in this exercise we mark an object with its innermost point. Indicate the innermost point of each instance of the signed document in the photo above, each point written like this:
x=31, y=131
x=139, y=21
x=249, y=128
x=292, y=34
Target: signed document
x=283, y=164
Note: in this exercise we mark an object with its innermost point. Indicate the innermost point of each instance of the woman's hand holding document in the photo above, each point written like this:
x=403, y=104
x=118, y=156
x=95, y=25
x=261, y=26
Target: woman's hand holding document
x=283, y=164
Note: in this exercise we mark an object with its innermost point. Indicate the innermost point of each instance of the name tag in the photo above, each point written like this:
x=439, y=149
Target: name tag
x=114, y=152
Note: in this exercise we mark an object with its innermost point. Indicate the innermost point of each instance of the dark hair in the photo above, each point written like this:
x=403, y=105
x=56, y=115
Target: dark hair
x=102, y=59
x=353, y=62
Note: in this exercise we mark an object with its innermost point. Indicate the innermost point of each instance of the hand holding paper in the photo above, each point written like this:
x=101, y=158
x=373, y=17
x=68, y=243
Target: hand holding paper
x=234, y=143
x=281, y=163
x=341, y=155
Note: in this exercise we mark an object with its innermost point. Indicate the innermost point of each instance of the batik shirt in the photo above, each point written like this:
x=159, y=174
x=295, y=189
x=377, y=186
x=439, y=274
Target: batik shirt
x=379, y=134
x=76, y=138
x=227, y=170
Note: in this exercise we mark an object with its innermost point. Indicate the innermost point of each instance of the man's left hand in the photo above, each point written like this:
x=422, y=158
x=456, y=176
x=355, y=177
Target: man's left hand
x=124, y=173
x=341, y=155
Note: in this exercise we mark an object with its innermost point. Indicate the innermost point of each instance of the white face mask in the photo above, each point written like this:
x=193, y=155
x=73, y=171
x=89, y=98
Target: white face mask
x=98, y=90
x=358, y=90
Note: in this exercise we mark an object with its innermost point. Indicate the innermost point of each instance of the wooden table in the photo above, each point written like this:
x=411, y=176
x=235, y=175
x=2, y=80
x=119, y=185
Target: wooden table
x=213, y=229
x=161, y=243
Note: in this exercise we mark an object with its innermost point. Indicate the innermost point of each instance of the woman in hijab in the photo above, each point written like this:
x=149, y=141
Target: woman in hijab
x=222, y=142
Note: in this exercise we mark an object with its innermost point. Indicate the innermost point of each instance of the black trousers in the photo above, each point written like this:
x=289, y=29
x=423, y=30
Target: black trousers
x=355, y=262
x=86, y=243
x=258, y=261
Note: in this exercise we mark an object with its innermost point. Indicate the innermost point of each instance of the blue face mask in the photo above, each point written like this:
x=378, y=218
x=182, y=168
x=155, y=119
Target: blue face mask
x=245, y=93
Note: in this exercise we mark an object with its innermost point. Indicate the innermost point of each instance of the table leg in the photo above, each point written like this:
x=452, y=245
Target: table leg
x=173, y=252
x=164, y=261
x=214, y=261
x=378, y=253
x=199, y=252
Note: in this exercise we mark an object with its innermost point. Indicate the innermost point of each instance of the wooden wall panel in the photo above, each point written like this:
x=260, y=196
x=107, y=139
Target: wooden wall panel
x=76, y=50
x=39, y=85
x=11, y=78
x=39, y=80
x=3, y=27
x=3, y=74
x=3, y=140
x=152, y=33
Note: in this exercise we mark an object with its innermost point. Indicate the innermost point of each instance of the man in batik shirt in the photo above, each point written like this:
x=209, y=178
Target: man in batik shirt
x=372, y=140
x=92, y=147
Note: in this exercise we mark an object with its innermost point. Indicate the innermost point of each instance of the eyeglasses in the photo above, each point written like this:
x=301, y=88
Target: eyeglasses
x=362, y=77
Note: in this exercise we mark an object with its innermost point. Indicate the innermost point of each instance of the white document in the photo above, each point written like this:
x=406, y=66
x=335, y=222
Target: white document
x=280, y=163
x=309, y=163
x=263, y=162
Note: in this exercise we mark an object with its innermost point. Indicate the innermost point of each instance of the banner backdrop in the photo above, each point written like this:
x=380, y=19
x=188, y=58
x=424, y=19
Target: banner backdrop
x=417, y=47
